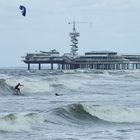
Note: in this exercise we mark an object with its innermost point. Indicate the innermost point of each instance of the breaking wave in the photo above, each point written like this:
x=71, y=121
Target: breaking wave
x=5, y=89
x=48, y=81
x=16, y=122
x=99, y=114
x=70, y=115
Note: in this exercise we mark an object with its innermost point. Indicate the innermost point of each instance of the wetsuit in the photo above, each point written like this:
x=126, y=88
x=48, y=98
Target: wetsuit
x=17, y=87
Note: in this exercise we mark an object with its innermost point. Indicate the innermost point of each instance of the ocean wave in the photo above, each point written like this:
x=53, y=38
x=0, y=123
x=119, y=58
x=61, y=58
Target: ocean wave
x=99, y=114
x=75, y=114
x=30, y=86
x=19, y=122
x=14, y=123
x=6, y=89
x=51, y=81
x=114, y=114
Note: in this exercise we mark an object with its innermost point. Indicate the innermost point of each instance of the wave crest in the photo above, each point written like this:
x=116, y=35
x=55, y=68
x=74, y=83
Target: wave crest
x=99, y=113
x=17, y=122
x=114, y=114
x=5, y=89
x=14, y=122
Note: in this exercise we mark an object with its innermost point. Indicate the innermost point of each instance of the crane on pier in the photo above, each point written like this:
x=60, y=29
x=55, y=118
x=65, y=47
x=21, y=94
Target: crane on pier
x=73, y=35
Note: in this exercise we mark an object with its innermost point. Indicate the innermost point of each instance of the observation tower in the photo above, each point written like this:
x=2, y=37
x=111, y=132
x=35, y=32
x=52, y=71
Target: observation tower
x=74, y=41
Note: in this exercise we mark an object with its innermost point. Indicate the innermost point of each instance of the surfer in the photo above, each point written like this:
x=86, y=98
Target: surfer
x=17, y=88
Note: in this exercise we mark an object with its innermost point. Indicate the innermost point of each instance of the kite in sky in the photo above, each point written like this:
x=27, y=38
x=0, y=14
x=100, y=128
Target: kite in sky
x=23, y=10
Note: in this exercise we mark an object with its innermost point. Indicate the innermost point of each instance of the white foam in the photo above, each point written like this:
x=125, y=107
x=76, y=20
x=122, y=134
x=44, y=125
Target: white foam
x=114, y=114
x=19, y=123
x=73, y=79
x=5, y=89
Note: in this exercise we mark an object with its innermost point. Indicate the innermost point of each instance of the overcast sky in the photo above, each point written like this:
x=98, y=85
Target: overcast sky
x=115, y=27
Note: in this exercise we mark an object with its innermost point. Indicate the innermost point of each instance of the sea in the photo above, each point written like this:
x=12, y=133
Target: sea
x=79, y=104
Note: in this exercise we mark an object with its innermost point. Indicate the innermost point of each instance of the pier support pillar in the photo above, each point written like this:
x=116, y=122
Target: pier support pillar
x=127, y=66
x=28, y=66
x=136, y=66
x=39, y=66
x=62, y=66
x=51, y=66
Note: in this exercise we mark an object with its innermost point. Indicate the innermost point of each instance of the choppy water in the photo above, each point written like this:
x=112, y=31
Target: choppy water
x=92, y=105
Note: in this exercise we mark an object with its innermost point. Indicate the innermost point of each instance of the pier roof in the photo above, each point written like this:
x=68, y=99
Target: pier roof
x=101, y=53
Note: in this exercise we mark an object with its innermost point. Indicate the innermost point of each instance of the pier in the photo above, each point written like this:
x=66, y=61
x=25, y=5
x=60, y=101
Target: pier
x=103, y=60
